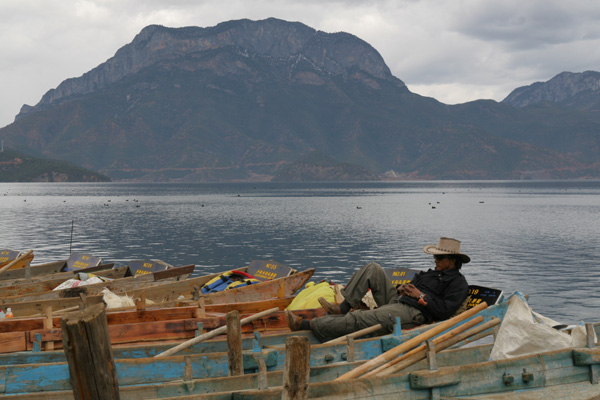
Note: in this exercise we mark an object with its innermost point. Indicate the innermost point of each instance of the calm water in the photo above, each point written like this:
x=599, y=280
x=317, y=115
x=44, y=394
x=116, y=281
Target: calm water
x=541, y=238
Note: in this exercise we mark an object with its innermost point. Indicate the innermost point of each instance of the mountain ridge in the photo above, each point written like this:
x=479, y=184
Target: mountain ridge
x=148, y=47
x=247, y=100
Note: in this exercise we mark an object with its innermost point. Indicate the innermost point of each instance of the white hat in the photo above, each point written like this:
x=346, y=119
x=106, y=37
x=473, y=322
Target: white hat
x=447, y=246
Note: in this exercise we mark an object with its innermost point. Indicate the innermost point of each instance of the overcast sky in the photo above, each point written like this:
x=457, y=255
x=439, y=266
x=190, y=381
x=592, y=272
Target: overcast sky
x=453, y=50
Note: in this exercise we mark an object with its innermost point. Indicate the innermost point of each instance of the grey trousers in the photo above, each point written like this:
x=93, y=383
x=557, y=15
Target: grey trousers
x=371, y=276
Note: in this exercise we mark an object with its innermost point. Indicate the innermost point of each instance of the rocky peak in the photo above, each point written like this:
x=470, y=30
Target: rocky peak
x=575, y=90
x=331, y=53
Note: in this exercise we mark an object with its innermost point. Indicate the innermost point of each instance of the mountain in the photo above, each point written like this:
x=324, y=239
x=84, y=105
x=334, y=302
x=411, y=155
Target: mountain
x=18, y=167
x=570, y=90
x=248, y=100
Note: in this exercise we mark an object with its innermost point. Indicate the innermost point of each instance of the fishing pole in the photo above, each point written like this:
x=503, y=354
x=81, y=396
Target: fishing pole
x=71, y=244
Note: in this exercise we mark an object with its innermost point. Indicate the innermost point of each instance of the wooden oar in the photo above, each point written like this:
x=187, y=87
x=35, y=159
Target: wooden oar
x=16, y=260
x=411, y=343
x=356, y=334
x=442, y=346
x=436, y=341
x=213, y=333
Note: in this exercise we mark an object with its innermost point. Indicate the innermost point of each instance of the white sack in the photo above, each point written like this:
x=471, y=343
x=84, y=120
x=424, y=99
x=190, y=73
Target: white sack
x=524, y=332
x=115, y=301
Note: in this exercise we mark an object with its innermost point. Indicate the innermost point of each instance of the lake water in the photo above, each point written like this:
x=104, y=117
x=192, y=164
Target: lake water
x=539, y=237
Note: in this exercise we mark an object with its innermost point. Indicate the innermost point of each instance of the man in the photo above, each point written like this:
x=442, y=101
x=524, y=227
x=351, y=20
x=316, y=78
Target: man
x=433, y=295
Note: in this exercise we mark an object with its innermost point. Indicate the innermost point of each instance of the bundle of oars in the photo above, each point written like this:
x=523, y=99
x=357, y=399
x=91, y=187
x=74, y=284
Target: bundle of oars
x=413, y=350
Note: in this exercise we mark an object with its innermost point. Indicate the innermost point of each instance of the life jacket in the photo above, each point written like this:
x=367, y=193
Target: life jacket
x=228, y=280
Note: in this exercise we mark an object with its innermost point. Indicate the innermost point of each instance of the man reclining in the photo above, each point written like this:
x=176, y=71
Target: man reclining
x=433, y=295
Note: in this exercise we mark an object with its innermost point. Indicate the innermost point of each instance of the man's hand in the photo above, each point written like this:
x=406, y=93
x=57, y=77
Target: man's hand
x=409, y=290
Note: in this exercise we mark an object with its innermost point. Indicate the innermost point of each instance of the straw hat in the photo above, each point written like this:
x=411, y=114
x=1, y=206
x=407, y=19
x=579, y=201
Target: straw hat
x=447, y=246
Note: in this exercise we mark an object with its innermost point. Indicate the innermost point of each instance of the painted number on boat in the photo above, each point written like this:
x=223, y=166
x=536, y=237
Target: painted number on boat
x=270, y=269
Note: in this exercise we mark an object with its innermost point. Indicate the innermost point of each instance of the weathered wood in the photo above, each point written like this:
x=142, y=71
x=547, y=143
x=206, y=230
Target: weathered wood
x=234, y=344
x=296, y=373
x=213, y=333
x=408, y=345
x=86, y=343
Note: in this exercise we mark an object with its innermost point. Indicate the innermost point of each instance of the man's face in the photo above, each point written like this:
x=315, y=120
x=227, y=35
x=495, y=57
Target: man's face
x=443, y=263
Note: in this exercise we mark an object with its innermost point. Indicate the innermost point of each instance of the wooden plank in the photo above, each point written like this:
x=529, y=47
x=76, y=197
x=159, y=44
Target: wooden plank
x=13, y=341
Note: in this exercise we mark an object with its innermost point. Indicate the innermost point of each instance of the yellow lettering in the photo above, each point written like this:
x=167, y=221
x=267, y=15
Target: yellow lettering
x=80, y=265
x=271, y=266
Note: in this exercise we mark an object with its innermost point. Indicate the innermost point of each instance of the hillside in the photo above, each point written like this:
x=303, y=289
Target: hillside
x=18, y=167
x=247, y=100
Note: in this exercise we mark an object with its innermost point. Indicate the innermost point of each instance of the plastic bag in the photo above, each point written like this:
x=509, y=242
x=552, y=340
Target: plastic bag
x=524, y=332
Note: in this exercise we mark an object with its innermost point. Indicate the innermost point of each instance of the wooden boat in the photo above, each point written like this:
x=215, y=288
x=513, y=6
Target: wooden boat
x=49, y=282
x=188, y=289
x=11, y=260
x=62, y=276
x=138, y=326
x=458, y=373
x=196, y=362
x=76, y=261
x=570, y=373
x=40, y=291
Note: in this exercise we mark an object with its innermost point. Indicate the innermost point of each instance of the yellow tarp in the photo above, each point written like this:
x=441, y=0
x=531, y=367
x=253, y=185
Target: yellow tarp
x=308, y=297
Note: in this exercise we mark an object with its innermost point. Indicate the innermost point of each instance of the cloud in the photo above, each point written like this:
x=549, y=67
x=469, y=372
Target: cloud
x=455, y=51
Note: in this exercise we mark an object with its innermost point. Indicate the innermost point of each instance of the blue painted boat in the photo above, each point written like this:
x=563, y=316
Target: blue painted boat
x=31, y=372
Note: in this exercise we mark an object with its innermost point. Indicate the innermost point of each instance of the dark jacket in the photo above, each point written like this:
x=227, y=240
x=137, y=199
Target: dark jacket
x=445, y=292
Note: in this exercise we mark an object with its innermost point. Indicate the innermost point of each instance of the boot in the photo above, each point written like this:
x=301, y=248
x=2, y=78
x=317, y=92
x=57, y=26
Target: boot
x=294, y=322
x=331, y=308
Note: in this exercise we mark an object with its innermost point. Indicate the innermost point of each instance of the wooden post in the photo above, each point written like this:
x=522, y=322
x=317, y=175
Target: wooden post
x=234, y=344
x=262, y=370
x=86, y=343
x=590, y=343
x=27, y=269
x=48, y=325
x=200, y=312
x=296, y=374
x=140, y=304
